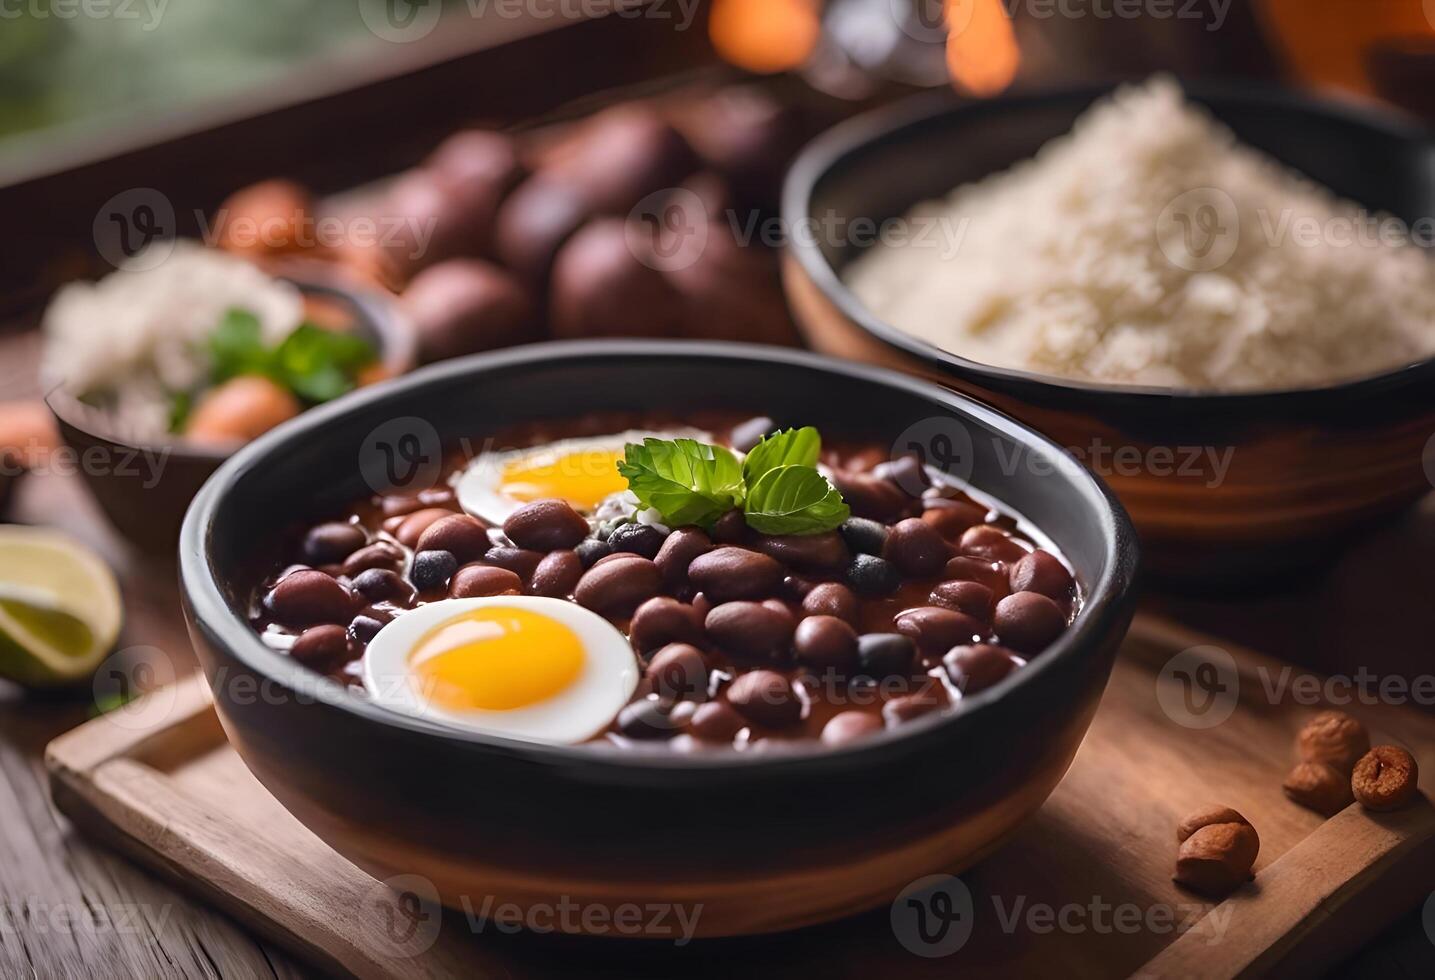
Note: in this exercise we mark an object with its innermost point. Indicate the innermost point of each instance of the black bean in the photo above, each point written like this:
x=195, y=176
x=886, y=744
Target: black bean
x=638, y=539
x=378, y=584
x=365, y=628
x=432, y=570
x=648, y=718
x=872, y=576
x=591, y=549
x=883, y=655
x=864, y=537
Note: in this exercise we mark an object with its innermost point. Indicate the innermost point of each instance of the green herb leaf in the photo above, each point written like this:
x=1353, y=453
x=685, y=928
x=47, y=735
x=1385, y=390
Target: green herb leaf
x=319, y=365
x=237, y=347
x=687, y=481
x=794, y=500
x=181, y=403
x=793, y=447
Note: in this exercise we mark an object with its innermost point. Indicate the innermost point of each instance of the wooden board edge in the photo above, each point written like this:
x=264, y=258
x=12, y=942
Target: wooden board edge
x=184, y=706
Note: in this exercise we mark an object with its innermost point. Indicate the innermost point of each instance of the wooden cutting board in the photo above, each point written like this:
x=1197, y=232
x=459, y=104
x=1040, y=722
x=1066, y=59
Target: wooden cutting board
x=1084, y=888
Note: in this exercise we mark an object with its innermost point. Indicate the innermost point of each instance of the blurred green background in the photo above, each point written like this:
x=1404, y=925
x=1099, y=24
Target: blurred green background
x=101, y=62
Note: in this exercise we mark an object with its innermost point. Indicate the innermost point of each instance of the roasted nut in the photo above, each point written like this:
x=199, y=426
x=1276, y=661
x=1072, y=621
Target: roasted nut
x=732, y=573
x=533, y=224
x=622, y=155
x=1319, y=787
x=465, y=537
x=472, y=581
x=618, y=585
x=1334, y=738
x=661, y=621
x=546, y=525
x=1385, y=778
x=1218, y=849
x=480, y=167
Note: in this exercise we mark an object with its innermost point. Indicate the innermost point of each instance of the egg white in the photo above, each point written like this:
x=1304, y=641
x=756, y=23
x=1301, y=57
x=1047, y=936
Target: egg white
x=604, y=684
x=477, y=486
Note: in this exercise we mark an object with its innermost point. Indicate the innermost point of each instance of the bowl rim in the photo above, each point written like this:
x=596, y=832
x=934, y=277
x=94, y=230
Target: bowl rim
x=854, y=137
x=396, y=348
x=1109, y=602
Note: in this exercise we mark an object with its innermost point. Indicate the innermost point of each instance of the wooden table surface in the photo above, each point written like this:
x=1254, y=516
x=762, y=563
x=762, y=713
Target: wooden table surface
x=69, y=908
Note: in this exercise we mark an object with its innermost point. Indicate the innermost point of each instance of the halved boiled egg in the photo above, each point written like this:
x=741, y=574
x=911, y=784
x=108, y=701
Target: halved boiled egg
x=583, y=472
x=526, y=667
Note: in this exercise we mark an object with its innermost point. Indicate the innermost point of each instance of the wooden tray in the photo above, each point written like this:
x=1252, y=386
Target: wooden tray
x=1084, y=887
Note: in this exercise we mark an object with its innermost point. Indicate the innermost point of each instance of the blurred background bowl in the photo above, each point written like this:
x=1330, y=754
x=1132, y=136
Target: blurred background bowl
x=144, y=487
x=1309, y=469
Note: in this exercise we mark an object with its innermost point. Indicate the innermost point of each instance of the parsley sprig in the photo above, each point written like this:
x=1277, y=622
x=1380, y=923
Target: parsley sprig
x=777, y=486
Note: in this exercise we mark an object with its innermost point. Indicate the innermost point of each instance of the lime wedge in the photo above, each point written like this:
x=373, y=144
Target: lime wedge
x=59, y=607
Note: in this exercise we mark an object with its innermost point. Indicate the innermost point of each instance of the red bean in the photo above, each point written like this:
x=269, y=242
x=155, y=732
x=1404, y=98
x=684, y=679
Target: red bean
x=546, y=525
x=321, y=646
x=750, y=630
x=678, y=552
x=992, y=574
x=916, y=548
x=415, y=524
x=976, y=668
x=972, y=598
x=519, y=561
x=850, y=726
x=663, y=620
x=380, y=554
x=332, y=542
x=988, y=541
x=616, y=587
x=472, y=581
x=1028, y=621
x=766, y=697
x=832, y=599
x=826, y=643
x=308, y=597
x=678, y=672
x=810, y=552
x=901, y=710
x=1043, y=572
x=951, y=518
x=465, y=537
x=557, y=574
x=936, y=630
x=732, y=573
x=717, y=721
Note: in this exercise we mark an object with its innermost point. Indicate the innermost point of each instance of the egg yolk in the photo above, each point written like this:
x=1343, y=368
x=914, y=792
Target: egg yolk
x=495, y=659
x=584, y=479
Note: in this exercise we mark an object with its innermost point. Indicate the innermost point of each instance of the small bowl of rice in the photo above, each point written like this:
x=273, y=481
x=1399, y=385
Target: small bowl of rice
x=1219, y=297
x=159, y=371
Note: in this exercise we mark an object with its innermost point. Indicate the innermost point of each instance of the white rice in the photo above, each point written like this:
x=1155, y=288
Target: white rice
x=1076, y=263
x=129, y=341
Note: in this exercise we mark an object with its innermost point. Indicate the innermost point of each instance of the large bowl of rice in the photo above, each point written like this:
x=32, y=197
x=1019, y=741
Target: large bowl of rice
x=1219, y=297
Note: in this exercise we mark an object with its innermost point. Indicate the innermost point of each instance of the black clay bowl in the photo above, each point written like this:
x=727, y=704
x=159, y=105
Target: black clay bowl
x=144, y=487
x=1306, y=468
x=762, y=842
